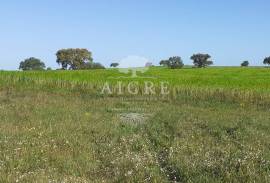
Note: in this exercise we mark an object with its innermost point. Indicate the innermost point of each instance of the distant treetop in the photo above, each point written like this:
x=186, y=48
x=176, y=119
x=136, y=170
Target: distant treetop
x=201, y=60
x=32, y=64
x=114, y=64
x=266, y=61
x=245, y=64
x=74, y=59
x=173, y=62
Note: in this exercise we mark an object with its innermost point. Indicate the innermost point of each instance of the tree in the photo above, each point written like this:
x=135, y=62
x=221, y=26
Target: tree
x=74, y=59
x=164, y=63
x=49, y=69
x=114, y=64
x=266, y=61
x=245, y=64
x=201, y=60
x=32, y=64
x=173, y=62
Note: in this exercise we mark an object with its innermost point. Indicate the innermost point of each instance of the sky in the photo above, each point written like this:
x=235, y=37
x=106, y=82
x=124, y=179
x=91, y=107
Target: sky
x=230, y=31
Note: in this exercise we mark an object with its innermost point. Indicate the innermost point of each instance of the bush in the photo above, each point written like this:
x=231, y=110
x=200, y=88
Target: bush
x=245, y=64
x=173, y=62
x=266, y=61
x=114, y=64
x=93, y=65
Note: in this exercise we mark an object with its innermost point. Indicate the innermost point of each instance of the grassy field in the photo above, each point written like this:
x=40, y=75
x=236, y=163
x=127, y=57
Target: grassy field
x=214, y=126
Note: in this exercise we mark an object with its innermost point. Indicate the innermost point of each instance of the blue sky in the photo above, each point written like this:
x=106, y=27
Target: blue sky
x=231, y=31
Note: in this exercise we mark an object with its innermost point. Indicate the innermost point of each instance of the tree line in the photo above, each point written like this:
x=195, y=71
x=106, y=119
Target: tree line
x=81, y=59
x=199, y=61
x=68, y=59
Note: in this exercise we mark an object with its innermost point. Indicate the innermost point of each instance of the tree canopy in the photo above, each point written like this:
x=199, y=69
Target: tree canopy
x=201, y=60
x=173, y=62
x=74, y=59
x=245, y=64
x=164, y=63
x=32, y=64
x=114, y=64
x=266, y=61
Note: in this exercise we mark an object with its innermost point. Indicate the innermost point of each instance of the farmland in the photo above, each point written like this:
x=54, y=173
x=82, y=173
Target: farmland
x=58, y=126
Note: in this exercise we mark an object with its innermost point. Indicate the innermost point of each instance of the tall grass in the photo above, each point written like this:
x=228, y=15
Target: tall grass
x=250, y=85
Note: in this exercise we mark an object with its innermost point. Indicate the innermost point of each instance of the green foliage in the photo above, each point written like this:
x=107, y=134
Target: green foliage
x=164, y=63
x=245, y=64
x=266, y=61
x=92, y=65
x=32, y=64
x=114, y=64
x=173, y=62
x=201, y=60
x=74, y=59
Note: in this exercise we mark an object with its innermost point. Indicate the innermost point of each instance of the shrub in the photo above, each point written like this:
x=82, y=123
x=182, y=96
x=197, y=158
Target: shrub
x=173, y=62
x=266, y=61
x=245, y=64
x=114, y=64
x=93, y=65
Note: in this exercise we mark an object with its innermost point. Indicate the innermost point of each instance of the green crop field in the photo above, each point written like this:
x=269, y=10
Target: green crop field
x=213, y=125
